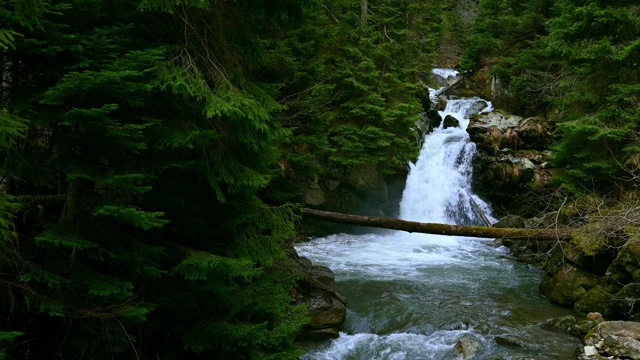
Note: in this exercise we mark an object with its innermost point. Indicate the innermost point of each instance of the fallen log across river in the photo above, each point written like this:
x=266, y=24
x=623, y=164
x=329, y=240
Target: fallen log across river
x=438, y=229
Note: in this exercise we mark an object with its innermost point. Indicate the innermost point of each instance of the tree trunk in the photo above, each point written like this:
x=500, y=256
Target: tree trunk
x=438, y=229
x=75, y=203
x=364, y=9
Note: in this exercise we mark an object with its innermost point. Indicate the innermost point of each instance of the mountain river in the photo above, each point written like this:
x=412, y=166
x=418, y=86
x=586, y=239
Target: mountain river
x=415, y=296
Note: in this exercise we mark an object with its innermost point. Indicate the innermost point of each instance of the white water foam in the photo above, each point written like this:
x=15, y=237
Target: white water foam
x=389, y=347
x=445, y=73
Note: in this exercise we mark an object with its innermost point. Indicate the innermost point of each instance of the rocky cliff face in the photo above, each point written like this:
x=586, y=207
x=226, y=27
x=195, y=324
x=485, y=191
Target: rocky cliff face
x=512, y=164
x=362, y=190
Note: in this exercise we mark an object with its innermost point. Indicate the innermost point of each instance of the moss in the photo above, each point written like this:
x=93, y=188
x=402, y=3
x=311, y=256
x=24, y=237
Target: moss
x=624, y=302
x=567, y=285
x=589, y=239
x=596, y=299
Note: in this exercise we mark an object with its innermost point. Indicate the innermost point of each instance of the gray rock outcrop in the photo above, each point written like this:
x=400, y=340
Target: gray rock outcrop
x=361, y=189
x=613, y=340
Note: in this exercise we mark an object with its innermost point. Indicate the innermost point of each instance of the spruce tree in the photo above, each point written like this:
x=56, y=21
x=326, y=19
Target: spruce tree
x=597, y=107
x=136, y=157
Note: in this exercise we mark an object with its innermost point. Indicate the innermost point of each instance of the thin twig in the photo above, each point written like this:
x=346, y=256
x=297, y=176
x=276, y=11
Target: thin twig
x=130, y=342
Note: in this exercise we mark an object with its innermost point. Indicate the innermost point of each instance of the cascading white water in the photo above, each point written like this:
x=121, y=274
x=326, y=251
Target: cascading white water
x=415, y=296
x=438, y=187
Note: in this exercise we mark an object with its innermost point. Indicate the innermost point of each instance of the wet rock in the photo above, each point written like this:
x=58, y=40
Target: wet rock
x=326, y=308
x=563, y=324
x=450, y=121
x=324, y=313
x=509, y=342
x=434, y=119
x=323, y=275
x=467, y=346
x=475, y=108
x=423, y=127
x=440, y=104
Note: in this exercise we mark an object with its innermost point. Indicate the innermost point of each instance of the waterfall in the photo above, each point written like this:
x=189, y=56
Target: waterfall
x=419, y=296
x=438, y=187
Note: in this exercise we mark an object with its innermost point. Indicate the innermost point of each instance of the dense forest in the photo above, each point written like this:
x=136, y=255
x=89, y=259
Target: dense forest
x=152, y=151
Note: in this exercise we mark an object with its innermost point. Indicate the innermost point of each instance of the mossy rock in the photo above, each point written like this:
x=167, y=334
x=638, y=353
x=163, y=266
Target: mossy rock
x=596, y=299
x=628, y=259
x=594, y=260
x=511, y=221
x=567, y=285
x=624, y=302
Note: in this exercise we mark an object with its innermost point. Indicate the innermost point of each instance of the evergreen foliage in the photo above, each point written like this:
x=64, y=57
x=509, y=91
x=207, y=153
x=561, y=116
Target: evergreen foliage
x=575, y=61
x=360, y=90
x=598, y=112
x=101, y=112
x=149, y=150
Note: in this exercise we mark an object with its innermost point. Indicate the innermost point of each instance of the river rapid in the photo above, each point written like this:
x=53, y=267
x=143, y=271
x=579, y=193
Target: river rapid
x=418, y=296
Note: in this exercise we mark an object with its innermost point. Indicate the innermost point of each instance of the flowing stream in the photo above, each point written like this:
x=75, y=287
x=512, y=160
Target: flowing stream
x=415, y=296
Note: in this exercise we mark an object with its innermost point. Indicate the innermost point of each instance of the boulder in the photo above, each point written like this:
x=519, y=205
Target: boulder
x=596, y=299
x=596, y=262
x=440, y=103
x=326, y=308
x=475, y=108
x=450, y=121
x=481, y=123
x=423, y=126
x=434, y=119
x=620, y=339
x=467, y=346
x=594, y=316
x=325, y=314
x=625, y=301
x=626, y=264
x=567, y=284
x=493, y=130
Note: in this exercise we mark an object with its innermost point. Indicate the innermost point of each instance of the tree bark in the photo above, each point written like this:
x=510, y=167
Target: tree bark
x=438, y=229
